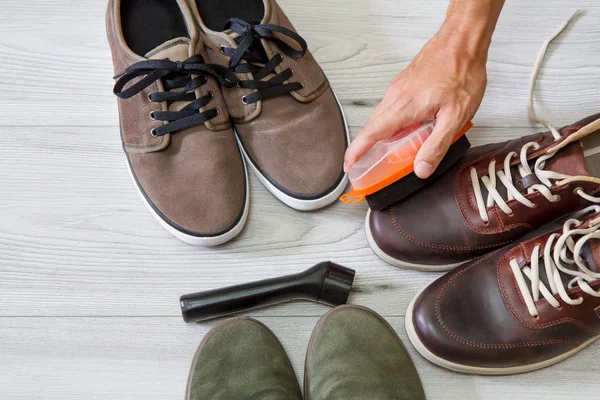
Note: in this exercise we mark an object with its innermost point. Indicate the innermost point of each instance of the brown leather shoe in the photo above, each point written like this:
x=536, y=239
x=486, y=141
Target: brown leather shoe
x=289, y=122
x=494, y=195
x=181, y=150
x=521, y=308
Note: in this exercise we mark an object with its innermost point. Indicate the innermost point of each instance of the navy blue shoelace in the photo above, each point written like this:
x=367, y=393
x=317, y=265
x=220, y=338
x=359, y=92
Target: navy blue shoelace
x=174, y=75
x=250, y=49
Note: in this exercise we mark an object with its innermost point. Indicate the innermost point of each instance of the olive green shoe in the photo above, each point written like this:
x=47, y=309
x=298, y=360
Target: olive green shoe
x=354, y=354
x=241, y=359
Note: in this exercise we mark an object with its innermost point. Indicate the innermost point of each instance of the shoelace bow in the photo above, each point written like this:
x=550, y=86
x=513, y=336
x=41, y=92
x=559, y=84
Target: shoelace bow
x=538, y=180
x=559, y=251
x=174, y=75
x=249, y=49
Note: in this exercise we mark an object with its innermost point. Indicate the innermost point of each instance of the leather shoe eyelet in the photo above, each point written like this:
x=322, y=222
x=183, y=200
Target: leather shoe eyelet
x=149, y=98
x=222, y=50
x=211, y=94
x=239, y=84
x=302, y=86
x=152, y=115
x=218, y=112
x=153, y=133
x=244, y=101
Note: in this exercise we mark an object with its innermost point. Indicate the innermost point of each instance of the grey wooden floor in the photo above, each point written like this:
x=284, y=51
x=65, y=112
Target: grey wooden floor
x=89, y=282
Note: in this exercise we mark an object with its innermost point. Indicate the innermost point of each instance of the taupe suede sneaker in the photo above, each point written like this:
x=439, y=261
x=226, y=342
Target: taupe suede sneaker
x=354, y=354
x=241, y=359
x=180, y=147
x=289, y=122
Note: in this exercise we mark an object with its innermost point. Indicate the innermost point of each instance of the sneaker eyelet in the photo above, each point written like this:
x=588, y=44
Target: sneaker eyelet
x=222, y=49
x=244, y=101
x=557, y=198
x=578, y=189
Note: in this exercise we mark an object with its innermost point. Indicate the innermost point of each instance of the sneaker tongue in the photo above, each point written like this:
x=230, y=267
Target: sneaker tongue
x=178, y=49
x=175, y=50
x=569, y=161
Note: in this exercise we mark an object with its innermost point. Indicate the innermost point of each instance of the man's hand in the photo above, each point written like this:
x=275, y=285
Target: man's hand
x=446, y=81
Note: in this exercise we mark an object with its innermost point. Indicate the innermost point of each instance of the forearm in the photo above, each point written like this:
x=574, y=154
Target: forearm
x=470, y=24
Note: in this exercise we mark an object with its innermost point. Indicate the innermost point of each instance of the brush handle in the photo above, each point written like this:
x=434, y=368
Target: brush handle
x=326, y=283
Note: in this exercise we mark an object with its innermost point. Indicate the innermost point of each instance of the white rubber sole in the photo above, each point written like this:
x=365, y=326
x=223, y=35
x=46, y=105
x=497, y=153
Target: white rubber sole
x=295, y=203
x=468, y=369
x=205, y=241
x=400, y=263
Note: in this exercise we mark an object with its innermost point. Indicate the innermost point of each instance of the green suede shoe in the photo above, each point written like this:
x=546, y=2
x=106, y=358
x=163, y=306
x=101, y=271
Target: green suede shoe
x=354, y=354
x=241, y=359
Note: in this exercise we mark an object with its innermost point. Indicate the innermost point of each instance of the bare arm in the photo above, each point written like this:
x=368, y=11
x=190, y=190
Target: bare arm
x=445, y=81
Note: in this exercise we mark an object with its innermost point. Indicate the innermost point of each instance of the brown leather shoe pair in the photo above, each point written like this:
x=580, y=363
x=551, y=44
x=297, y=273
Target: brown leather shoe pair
x=203, y=85
x=533, y=300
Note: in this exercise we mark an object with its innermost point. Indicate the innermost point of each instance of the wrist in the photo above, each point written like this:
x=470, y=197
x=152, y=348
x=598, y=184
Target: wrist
x=469, y=40
x=469, y=26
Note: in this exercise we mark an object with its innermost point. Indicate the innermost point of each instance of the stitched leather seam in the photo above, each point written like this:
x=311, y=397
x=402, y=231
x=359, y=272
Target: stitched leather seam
x=479, y=344
x=439, y=246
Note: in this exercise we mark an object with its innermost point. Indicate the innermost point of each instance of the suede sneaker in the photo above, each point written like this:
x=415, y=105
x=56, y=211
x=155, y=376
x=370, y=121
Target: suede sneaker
x=496, y=194
x=354, y=354
x=180, y=146
x=241, y=359
x=518, y=309
x=287, y=118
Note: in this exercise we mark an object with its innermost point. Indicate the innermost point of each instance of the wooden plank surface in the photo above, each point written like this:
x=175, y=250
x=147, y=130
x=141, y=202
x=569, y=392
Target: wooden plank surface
x=89, y=281
x=149, y=358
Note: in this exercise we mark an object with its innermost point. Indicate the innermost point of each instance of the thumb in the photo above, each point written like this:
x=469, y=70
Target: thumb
x=383, y=123
x=436, y=146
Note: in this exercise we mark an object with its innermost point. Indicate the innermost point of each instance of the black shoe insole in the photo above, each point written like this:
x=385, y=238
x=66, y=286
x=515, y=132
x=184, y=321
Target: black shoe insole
x=216, y=13
x=147, y=24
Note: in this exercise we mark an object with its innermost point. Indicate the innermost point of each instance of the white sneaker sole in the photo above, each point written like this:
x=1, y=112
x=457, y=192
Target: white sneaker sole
x=468, y=369
x=400, y=263
x=205, y=241
x=293, y=202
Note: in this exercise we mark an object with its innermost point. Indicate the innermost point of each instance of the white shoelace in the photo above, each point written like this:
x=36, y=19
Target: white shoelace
x=555, y=257
x=505, y=176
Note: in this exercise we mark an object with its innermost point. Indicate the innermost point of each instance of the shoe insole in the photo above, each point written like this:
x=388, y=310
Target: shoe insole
x=147, y=24
x=216, y=13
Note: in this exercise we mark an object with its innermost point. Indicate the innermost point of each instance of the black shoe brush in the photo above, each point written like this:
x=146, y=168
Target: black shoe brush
x=410, y=184
x=325, y=283
x=384, y=175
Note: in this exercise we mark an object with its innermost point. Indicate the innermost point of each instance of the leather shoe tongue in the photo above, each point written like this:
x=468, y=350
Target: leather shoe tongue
x=177, y=49
x=568, y=161
x=591, y=254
